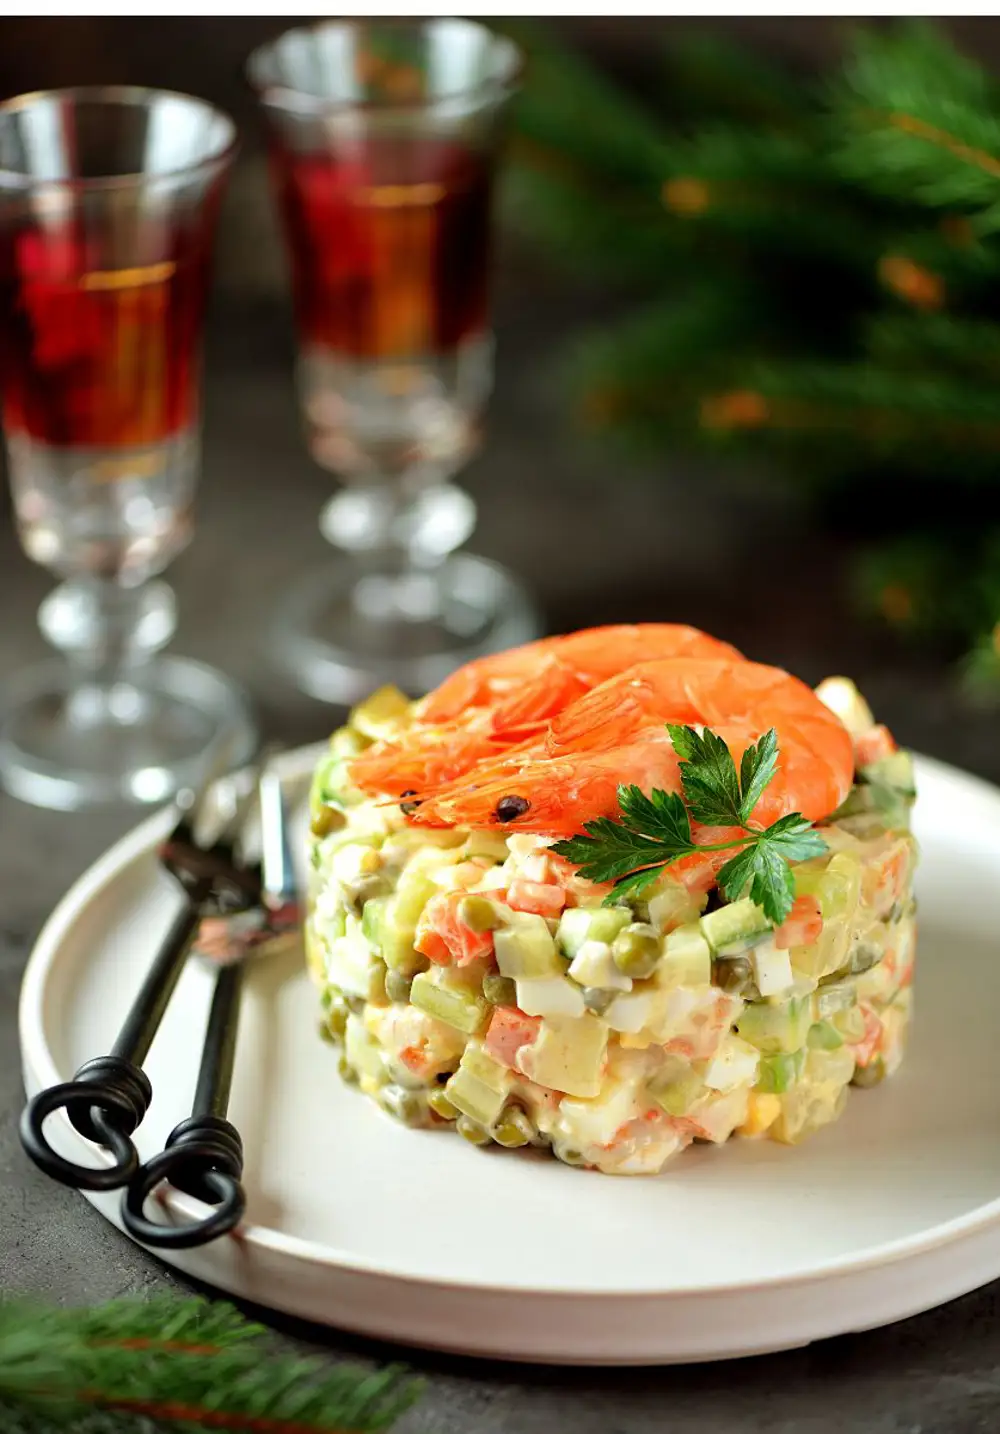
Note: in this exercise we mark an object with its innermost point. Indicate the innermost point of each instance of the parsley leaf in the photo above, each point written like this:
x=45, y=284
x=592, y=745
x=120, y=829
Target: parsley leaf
x=708, y=776
x=654, y=830
x=759, y=764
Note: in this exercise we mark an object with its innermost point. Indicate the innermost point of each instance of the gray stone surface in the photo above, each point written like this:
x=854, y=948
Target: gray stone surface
x=666, y=542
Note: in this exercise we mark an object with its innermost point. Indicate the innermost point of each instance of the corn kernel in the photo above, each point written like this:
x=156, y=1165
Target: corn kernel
x=763, y=1110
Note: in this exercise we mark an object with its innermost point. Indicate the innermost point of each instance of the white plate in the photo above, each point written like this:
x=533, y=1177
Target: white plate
x=414, y=1236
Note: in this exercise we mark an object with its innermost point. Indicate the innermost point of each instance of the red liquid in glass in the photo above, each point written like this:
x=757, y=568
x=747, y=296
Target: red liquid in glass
x=389, y=245
x=97, y=356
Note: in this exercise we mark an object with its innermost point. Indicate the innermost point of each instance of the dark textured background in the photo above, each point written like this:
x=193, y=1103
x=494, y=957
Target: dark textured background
x=668, y=541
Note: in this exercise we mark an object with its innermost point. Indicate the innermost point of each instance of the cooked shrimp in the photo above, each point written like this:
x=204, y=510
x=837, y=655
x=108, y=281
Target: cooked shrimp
x=616, y=733
x=499, y=701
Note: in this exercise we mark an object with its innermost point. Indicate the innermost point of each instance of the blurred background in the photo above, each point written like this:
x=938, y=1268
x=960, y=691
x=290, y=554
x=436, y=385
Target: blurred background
x=683, y=426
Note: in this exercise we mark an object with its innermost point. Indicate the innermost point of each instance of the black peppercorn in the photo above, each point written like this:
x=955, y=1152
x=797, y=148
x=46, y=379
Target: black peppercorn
x=510, y=807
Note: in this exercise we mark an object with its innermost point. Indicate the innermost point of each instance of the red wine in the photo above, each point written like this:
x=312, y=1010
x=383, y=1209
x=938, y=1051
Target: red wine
x=389, y=242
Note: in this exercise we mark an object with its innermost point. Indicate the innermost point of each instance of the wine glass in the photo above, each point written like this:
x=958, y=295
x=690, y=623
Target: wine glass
x=108, y=204
x=384, y=140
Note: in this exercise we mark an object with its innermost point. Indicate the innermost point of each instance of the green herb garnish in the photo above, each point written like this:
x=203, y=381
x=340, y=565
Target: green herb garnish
x=655, y=830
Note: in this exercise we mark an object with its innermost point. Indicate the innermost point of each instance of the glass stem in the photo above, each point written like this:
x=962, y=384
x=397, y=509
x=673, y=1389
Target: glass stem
x=107, y=632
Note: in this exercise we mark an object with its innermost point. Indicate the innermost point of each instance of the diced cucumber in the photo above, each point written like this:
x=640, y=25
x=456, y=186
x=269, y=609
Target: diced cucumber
x=549, y=996
x=824, y=1036
x=674, y=906
x=438, y=994
x=412, y=894
x=776, y=1026
x=687, y=958
x=480, y=1087
x=382, y=714
x=361, y=1050
x=525, y=949
x=780, y=1071
x=567, y=1055
x=838, y=996
x=737, y=922
x=829, y=1067
x=678, y=1093
x=579, y=924
x=397, y=921
x=373, y=919
x=895, y=771
x=836, y=886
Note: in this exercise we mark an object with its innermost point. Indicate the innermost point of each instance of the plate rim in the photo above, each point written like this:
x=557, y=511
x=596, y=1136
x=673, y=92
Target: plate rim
x=39, y=1070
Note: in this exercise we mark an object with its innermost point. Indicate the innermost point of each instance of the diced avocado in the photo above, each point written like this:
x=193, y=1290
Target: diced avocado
x=480, y=1087
x=363, y=1053
x=457, y=1005
x=734, y=924
x=779, y=1071
x=776, y=1026
x=895, y=771
x=824, y=1036
x=567, y=1055
x=686, y=959
x=382, y=714
x=583, y=923
x=525, y=949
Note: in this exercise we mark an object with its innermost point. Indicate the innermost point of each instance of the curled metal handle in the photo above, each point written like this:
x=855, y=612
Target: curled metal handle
x=204, y=1158
x=105, y=1101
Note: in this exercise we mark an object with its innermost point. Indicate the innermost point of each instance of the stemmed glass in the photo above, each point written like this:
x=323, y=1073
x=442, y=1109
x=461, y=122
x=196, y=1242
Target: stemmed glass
x=108, y=204
x=384, y=140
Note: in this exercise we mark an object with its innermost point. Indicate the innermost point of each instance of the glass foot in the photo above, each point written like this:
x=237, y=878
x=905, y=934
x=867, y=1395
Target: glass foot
x=346, y=630
x=68, y=747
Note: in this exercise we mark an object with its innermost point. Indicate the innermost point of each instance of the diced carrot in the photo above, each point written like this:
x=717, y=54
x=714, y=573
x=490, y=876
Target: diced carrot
x=873, y=745
x=443, y=938
x=539, y=898
x=867, y=1048
x=509, y=1030
x=415, y=1059
x=802, y=926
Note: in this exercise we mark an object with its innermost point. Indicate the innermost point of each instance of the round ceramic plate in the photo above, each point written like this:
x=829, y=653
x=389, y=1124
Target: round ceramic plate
x=417, y=1237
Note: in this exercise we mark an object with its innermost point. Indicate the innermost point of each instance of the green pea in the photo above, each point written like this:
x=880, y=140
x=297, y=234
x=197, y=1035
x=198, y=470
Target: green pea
x=862, y=958
x=596, y=999
x=472, y=1131
x=336, y=1016
x=569, y=1156
x=397, y=987
x=500, y=990
x=355, y=1004
x=442, y=1106
x=479, y=913
x=514, y=1129
x=406, y=1105
x=376, y=983
x=346, y=1071
x=325, y=1034
x=326, y=820
x=636, y=951
x=735, y=975
x=870, y=1075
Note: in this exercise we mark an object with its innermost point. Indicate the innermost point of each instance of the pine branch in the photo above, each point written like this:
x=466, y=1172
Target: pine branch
x=182, y=1364
x=918, y=120
x=714, y=77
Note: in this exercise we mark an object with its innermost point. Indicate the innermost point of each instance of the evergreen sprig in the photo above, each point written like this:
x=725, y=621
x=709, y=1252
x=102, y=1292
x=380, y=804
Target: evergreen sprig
x=183, y=1364
x=816, y=264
